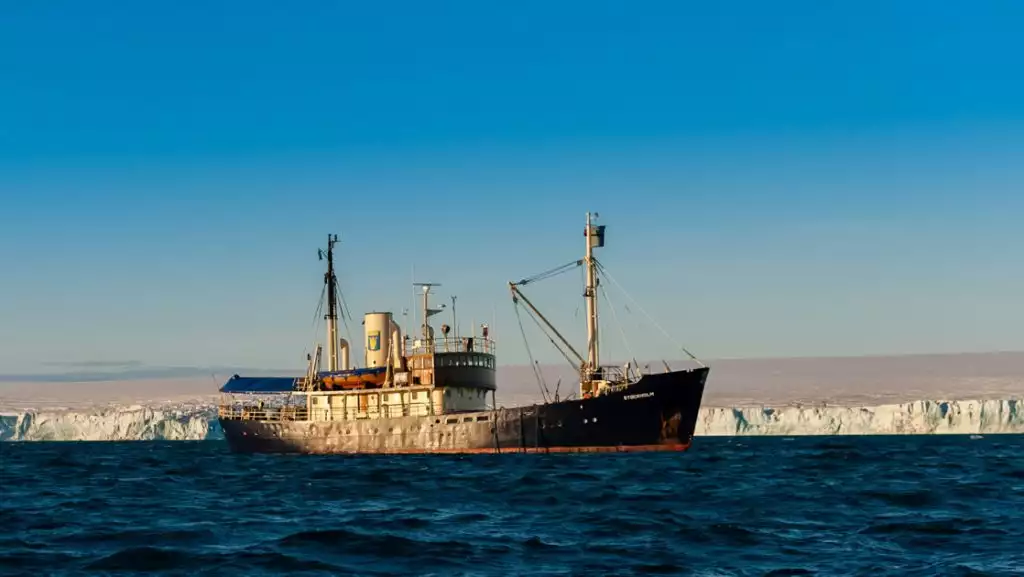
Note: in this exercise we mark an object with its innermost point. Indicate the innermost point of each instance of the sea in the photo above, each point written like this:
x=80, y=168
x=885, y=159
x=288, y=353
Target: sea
x=901, y=505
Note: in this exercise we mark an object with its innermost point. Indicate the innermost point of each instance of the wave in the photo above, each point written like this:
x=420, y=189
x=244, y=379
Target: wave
x=199, y=422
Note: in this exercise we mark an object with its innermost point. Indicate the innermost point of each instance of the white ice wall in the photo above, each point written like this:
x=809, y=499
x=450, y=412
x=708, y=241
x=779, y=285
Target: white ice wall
x=199, y=422
x=113, y=424
x=918, y=417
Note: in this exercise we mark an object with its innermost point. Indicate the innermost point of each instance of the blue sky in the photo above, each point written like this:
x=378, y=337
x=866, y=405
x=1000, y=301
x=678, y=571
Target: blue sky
x=787, y=179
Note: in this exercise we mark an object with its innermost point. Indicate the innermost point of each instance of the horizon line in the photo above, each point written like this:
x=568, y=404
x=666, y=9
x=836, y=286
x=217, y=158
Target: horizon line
x=162, y=373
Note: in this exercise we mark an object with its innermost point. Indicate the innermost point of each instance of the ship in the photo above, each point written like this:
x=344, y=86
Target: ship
x=438, y=394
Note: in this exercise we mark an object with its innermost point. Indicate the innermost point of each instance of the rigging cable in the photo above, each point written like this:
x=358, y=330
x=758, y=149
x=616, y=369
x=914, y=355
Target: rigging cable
x=317, y=316
x=319, y=306
x=604, y=271
x=526, y=342
x=345, y=311
x=622, y=331
x=550, y=273
x=544, y=330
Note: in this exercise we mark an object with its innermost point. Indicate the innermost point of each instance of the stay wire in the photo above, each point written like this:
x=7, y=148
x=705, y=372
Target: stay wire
x=533, y=364
x=605, y=273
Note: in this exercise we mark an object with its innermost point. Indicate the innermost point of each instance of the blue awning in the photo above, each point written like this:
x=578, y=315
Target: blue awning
x=237, y=384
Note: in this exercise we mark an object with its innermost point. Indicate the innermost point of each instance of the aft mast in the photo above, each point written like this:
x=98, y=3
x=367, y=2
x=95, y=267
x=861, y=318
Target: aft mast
x=332, y=305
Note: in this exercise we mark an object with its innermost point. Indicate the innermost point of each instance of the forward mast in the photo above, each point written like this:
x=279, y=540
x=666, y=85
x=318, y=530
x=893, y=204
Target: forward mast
x=593, y=377
x=594, y=235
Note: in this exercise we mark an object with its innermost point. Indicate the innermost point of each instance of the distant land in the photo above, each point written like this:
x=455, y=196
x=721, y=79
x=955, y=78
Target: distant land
x=845, y=381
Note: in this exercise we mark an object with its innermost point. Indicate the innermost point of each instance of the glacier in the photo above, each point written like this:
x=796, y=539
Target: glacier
x=199, y=422
x=961, y=417
x=132, y=423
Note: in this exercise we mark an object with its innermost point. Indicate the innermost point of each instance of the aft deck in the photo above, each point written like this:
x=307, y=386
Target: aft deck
x=258, y=413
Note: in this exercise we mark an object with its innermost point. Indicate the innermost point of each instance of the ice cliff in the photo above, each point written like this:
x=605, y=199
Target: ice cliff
x=914, y=418
x=136, y=423
x=199, y=422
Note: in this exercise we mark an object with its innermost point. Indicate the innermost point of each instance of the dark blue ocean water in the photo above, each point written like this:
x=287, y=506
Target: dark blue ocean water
x=750, y=506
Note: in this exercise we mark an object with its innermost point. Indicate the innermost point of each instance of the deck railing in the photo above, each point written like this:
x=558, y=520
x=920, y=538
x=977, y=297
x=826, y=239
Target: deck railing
x=421, y=346
x=273, y=414
x=382, y=412
x=256, y=413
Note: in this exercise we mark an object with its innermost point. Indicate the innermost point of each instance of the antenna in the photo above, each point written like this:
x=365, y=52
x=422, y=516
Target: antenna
x=455, y=324
x=428, y=332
